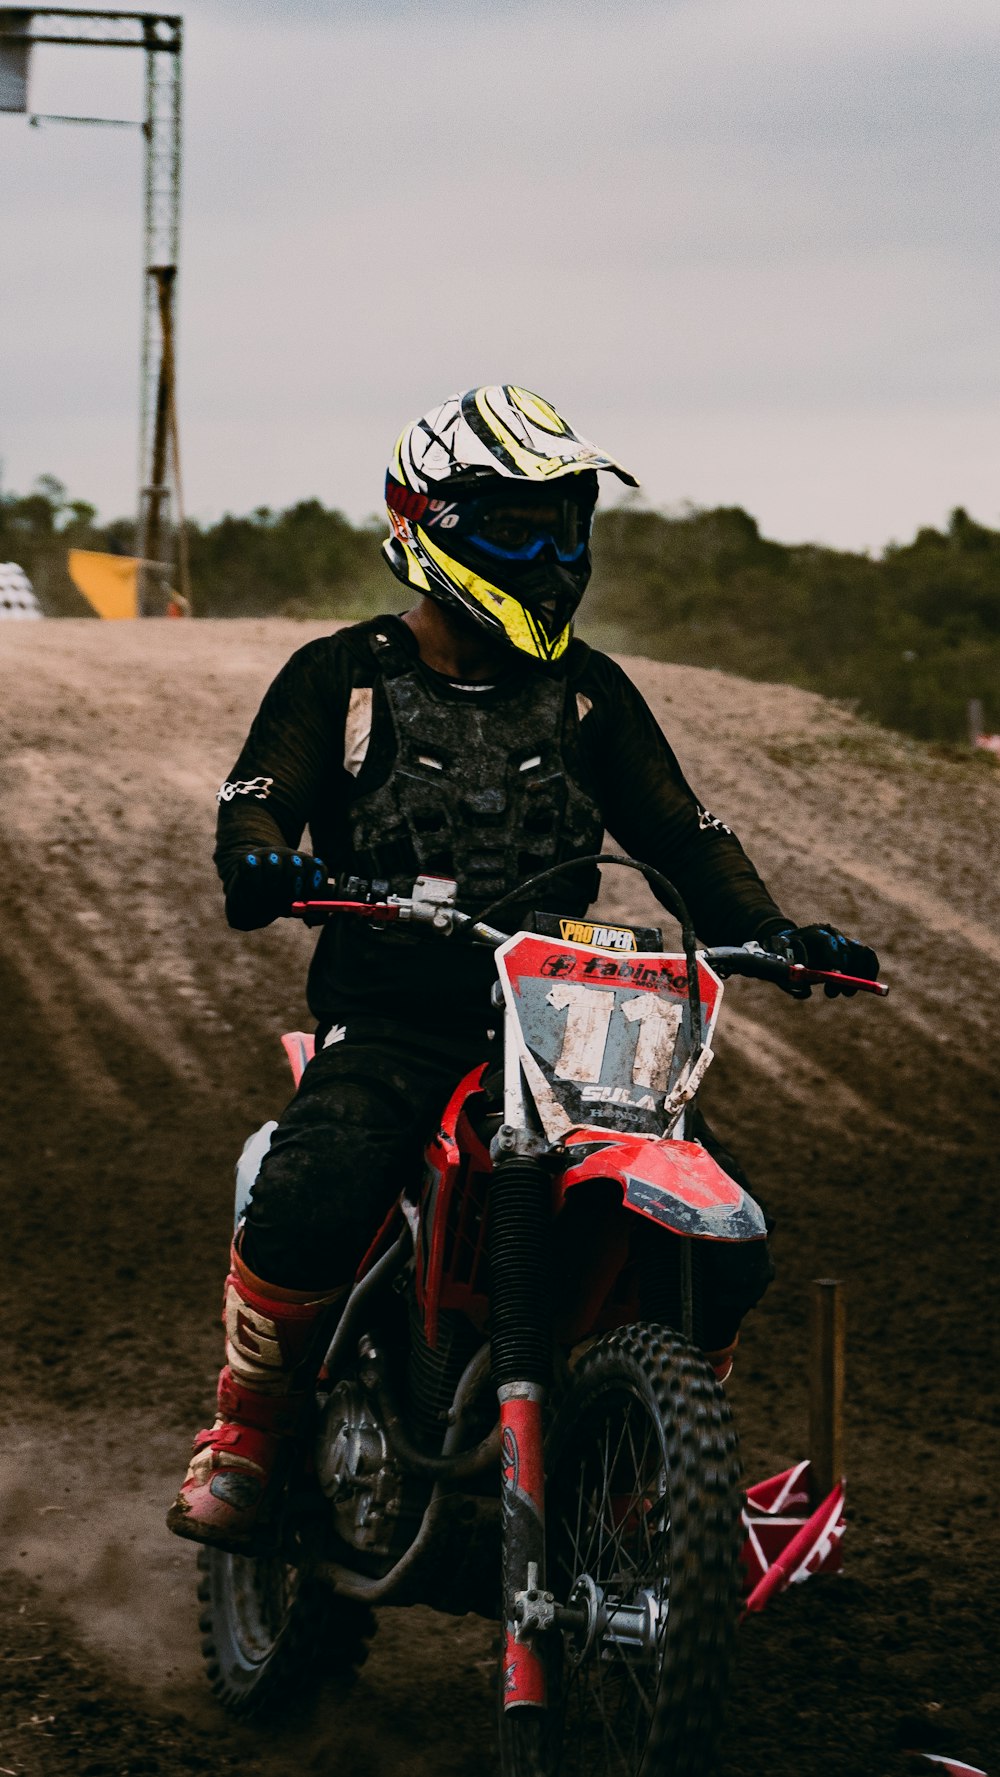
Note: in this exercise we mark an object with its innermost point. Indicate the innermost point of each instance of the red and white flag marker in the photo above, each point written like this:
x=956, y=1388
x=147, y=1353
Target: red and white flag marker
x=953, y=1766
x=789, y=1540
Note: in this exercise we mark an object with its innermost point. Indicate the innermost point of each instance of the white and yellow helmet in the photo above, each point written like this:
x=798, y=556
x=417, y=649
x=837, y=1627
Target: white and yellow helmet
x=490, y=500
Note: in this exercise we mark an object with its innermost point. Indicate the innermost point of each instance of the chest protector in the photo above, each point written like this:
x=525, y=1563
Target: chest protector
x=484, y=788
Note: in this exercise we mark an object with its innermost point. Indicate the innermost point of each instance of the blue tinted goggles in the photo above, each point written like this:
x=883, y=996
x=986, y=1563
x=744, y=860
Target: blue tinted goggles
x=516, y=529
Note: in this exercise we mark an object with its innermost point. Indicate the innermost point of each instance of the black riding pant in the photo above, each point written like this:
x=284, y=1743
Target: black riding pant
x=351, y=1138
x=345, y=1147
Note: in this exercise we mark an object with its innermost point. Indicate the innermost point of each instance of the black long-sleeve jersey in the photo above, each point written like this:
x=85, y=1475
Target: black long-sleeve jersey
x=292, y=773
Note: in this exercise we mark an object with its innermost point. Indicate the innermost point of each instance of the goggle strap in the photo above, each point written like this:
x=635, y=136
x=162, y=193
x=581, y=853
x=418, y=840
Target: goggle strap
x=402, y=500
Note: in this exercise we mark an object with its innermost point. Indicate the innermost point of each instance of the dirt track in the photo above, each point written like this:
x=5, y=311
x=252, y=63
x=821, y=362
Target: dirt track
x=141, y=1047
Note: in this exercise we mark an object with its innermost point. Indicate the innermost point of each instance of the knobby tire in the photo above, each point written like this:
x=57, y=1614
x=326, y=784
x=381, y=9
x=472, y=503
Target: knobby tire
x=271, y=1634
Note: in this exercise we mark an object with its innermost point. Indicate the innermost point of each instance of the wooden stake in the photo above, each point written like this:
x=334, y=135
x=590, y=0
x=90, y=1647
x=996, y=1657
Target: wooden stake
x=826, y=1386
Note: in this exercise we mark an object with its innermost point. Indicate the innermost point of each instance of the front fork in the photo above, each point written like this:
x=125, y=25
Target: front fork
x=522, y=1473
x=520, y=1217
x=521, y=1357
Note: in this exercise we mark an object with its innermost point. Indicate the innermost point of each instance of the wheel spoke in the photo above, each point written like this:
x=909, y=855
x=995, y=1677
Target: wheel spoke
x=604, y=1509
x=580, y=1494
x=596, y=1524
x=608, y=1730
x=628, y=1666
x=638, y=1510
x=640, y=1469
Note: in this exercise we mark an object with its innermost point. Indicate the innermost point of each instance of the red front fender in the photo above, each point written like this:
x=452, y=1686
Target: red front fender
x=675, y=1183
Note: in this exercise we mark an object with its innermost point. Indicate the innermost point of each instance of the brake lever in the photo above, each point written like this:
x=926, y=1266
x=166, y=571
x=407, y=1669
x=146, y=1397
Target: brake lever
x=315, y=913
x=860, y=983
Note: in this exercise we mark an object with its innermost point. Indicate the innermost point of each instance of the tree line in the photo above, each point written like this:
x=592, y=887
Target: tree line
x=908, y=636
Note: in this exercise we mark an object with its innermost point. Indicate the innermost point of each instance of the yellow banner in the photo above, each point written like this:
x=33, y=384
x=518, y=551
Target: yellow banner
x=108, y=582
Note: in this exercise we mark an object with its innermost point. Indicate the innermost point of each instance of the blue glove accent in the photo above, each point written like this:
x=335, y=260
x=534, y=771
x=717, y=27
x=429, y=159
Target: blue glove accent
x=255, y=896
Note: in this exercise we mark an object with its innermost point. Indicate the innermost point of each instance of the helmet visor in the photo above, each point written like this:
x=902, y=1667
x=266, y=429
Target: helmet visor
x=516, y=526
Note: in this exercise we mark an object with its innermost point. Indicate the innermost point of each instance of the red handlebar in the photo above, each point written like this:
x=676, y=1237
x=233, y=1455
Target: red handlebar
x=386, y=911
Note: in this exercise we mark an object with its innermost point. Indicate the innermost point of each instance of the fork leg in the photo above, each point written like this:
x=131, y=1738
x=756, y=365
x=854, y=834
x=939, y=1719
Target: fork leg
x=523, y=1502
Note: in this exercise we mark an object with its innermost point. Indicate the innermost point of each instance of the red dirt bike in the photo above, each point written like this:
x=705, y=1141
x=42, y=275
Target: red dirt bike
x=514, y=1416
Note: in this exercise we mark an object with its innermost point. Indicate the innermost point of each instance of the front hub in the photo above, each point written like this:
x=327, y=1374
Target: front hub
x=594, y=1618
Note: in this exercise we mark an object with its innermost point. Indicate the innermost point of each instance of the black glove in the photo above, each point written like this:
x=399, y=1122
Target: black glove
x=823, y=947
x=265, y=883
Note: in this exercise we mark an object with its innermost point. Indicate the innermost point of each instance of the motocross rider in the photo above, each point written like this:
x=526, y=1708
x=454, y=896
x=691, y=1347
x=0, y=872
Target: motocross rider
x=475, y=738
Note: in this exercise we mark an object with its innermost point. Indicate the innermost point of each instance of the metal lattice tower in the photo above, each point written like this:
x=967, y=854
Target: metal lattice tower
x=158, y=421
x=159, y=515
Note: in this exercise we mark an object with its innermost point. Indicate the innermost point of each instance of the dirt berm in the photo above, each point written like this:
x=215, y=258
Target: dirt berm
x=141, y=1046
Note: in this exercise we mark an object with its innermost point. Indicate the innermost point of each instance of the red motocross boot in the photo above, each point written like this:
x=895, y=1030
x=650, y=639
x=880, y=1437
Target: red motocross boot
x=238, y=1465
x=722, y=1360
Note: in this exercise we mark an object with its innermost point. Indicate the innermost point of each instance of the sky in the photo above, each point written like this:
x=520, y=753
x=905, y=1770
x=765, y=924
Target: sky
x=750, y=247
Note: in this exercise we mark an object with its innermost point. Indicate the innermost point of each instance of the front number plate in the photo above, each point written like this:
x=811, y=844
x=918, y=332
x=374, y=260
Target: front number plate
x=602, y=1039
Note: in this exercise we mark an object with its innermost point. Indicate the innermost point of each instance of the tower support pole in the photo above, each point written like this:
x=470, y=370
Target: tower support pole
x=155, y=542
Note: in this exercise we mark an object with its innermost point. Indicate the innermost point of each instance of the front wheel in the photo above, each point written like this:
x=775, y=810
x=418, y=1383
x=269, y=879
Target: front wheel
x=643, y=1526
x=270, y=1632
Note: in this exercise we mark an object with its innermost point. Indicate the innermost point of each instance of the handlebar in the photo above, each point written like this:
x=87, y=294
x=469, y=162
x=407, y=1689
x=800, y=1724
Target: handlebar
x=434, y=910
x=405, y=910
x=762, y=965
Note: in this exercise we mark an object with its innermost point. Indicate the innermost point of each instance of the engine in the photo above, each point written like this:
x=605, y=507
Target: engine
x=356, y=1471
